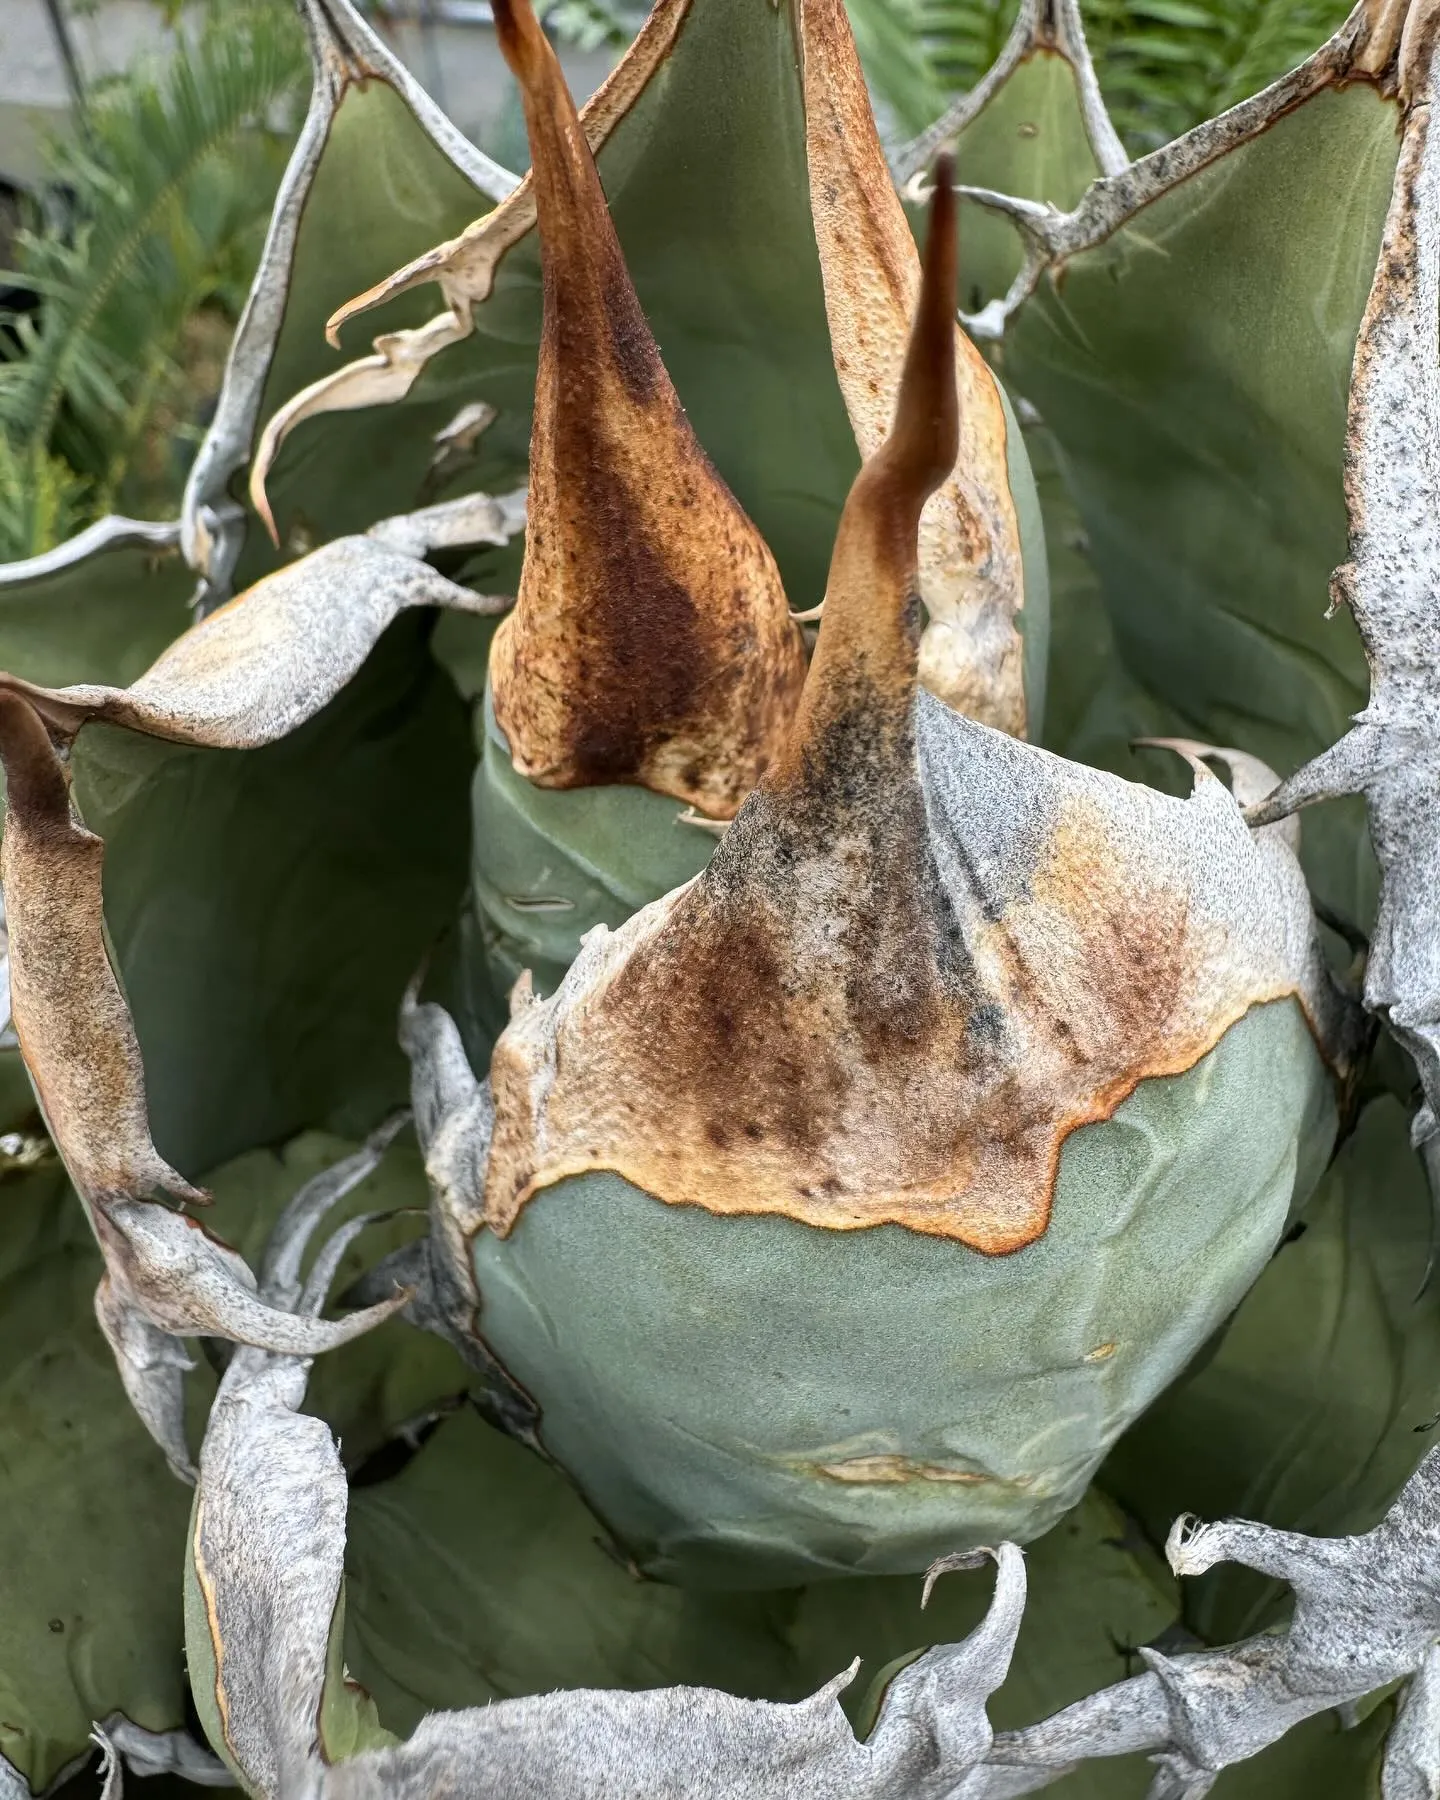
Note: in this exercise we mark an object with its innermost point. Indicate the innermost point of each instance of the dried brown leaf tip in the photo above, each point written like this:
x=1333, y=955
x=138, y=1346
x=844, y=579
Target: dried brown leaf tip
x=969, y=545
x=651, y=642
x=165, y=1276
x=924, y=952
x=71, y=1019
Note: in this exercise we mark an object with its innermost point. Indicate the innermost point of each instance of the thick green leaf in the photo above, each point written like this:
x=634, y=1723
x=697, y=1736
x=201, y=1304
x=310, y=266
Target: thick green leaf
x=1095, y=708
x=1319, y=1399
x=92, y=1522
x=102, y=618
x=479, y=1573
x=1193, y=371
x=549, y=865
x=268, y=906
x=702, y=1375
x=1029, y=141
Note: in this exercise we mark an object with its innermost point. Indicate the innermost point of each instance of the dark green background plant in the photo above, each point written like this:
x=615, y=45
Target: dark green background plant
x=137, y=259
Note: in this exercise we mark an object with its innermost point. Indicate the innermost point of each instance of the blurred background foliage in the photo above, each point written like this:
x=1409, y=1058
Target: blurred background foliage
x=129, y=265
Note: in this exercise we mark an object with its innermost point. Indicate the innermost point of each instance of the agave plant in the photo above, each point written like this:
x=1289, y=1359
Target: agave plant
x=854, y=1111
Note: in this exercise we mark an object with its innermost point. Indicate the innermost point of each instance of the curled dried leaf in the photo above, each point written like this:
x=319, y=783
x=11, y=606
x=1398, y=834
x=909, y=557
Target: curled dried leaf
x=70, y=1017
x=164, y=1753
x=267, y=661
x=698, y=1744
x=386, y=375
x=1365, y=1616
x=345, y=54
x=465, y=266
x=153, y=1365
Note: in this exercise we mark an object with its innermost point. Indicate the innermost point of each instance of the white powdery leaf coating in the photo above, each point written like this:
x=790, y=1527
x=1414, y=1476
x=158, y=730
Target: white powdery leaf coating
x=380, y=379
x=164, y=1753
x=272, y=658
x=1367, y=1613
x=1392, y=583
x=1412, y=1752
x=698, y=1744
x=268, y=1541
x=113, y=532
x=454, y=1116
x=268, y=1553
x=280, y=1278
x=453, y=524
x=166, y=1265
x=153, y=1365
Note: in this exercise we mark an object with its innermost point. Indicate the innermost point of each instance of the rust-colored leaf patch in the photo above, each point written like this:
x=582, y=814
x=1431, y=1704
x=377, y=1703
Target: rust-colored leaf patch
x=650, y=643
x=923, y=953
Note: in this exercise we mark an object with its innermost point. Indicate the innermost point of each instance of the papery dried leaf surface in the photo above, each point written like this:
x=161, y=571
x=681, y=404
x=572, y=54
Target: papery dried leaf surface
x=970, y=573
x=902, y=1017
x=651, y=642
x=265, y=662
x=923, y=954
x=1392, y=483
x=70, y=1016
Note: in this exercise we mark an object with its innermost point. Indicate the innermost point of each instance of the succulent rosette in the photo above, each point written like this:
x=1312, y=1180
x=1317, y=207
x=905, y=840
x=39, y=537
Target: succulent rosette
x=638, y=817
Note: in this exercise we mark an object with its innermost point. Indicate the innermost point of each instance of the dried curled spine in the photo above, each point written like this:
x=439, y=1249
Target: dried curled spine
x=651, y=642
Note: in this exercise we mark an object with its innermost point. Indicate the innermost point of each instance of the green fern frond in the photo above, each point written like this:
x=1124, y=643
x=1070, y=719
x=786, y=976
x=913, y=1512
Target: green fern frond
x=42, y=500
x=171, y=190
